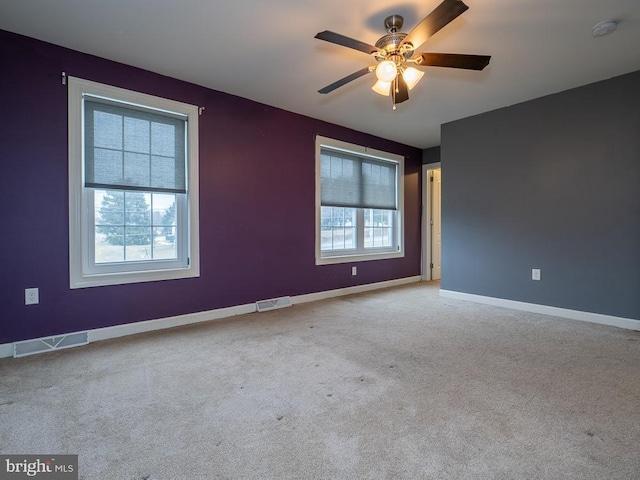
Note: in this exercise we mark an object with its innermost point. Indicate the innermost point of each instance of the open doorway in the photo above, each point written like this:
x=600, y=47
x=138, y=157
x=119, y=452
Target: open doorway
x=431, y=221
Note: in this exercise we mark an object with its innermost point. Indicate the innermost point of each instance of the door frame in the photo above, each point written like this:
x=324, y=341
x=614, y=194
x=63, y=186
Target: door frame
x=427, y=216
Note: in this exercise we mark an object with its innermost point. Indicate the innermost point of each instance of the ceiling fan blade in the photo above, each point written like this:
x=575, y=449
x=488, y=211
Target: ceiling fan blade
x=452, y=60
x=338, y=39
x=400, y=90
x=345, y=80
x=444, y=13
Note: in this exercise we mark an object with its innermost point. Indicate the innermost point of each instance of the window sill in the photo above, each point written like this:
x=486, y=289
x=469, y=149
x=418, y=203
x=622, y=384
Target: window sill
x=357, y=257
x=105, y=279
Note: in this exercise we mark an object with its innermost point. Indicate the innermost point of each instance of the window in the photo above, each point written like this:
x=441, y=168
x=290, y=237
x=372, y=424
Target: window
x=359, y=203
x=133, y=186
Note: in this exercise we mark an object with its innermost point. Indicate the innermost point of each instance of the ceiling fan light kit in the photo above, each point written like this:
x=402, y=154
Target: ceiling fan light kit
x=386, y=71
x=383, y=88
x=395, y=72
x=412, y=76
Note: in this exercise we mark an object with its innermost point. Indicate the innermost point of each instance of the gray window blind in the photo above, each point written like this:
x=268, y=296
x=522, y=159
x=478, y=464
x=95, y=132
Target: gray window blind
x=357, y=182
x=131, y=149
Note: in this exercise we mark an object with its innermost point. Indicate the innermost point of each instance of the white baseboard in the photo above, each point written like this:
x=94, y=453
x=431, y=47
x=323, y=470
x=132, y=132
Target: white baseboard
x=98, y=334
x=168, y=322
x=312, y=297
x=6, y=350
x=602, y=319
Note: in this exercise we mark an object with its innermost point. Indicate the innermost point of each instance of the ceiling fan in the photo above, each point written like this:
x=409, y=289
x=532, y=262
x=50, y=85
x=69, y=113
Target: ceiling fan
x=395, y=53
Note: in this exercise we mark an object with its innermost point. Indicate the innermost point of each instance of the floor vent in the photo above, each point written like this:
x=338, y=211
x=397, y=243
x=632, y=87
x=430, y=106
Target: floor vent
x=272, y=304
x=40, y=345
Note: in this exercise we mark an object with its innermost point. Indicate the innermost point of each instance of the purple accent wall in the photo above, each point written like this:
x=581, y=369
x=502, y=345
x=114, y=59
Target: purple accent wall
x=256, y=201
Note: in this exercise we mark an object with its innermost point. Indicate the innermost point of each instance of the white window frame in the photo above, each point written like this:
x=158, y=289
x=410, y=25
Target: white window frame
x=83, y=271
x=359, y=255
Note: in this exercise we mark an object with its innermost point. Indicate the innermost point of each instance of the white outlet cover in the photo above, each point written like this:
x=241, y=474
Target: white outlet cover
x=31, y=296
x=535, y=274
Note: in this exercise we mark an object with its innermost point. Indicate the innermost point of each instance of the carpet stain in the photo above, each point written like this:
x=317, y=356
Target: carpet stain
x=365, y=379
x=280, y=417
x=10, y=402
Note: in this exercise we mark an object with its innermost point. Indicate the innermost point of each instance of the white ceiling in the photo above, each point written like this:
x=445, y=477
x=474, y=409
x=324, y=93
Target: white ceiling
x=265, y=51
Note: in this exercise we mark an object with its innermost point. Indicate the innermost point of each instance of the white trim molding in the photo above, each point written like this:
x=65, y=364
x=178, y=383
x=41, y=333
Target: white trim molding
x=312, y=297
x=427, y=216
x=168, y=322
x=6, y=350
x=98, y=334
x=620, y=322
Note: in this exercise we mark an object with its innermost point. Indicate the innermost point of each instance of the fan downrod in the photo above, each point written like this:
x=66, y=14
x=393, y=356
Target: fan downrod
x=393, y=23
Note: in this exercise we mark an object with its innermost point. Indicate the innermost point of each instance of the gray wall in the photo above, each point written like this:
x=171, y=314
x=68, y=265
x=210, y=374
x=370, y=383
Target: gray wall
x=431, y=155
x=553, y=183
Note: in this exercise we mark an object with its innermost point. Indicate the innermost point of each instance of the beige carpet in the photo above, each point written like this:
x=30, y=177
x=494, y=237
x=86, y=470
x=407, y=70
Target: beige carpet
x=399, y=383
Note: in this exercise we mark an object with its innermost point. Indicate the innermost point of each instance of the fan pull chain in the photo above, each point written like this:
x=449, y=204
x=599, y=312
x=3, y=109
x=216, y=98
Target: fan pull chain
x=394, y=90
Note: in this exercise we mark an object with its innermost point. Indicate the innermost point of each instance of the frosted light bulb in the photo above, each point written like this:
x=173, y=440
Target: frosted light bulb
x=386, y=71
x=412, y=76
x=382, y=88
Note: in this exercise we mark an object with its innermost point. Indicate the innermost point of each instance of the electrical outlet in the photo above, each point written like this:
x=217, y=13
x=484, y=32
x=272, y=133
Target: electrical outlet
x=31, y=296
x=535, y=274
x=354, y=270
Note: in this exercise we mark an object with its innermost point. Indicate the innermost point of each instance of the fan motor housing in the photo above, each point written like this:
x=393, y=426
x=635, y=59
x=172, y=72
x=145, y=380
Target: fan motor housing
x=390, y=43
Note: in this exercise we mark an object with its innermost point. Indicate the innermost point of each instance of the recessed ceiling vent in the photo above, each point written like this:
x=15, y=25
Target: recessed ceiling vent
x=40, y=345
x=273, y=304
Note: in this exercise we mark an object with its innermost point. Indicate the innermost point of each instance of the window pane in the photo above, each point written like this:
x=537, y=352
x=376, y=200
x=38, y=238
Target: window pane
x=378, y=228
x=136, y=135
x=132, y=226
x=163, y=173
x=108, y=166
x=128, y=147
x=137, y=210
x=164, y=209
x=164, y=225
x=107, y=130
x=163, y=139
x=351, y=181
x=138, y=236
x=379, y=184
x=164, y=243
x=137, y=243
x=121, y=219
x=137, y=169
x=108, y=205
x=109, y=247
x=340, y=184
x=338, y=230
